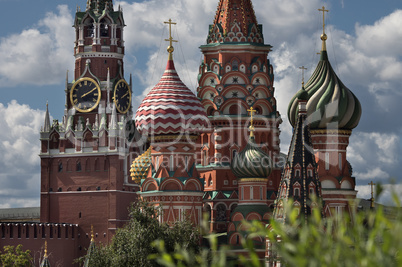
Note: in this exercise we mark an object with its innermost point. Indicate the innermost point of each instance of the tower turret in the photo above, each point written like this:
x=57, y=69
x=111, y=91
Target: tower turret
x=332, y=112
x=252, y=167
x=299, y=182
x=171, y=117
x=234, y=76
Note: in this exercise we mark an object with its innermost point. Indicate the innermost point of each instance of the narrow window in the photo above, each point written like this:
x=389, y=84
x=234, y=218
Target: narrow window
x=171, y=163
x=186, y=162
x=19, y=231
x=78, y=169
x=261, y=193
x=327, y=161
x=251, y=193
x=297, y=192
x=340, y=161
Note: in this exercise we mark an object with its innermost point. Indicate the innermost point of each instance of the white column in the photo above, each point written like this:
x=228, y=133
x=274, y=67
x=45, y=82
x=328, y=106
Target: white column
x=81, y=35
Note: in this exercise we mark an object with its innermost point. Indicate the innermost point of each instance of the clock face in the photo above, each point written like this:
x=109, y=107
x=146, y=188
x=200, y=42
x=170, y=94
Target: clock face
x=85, y=94
x=122, y=96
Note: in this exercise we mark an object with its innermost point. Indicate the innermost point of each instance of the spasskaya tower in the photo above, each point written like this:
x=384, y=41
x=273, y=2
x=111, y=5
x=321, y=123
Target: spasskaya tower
x=85, y=157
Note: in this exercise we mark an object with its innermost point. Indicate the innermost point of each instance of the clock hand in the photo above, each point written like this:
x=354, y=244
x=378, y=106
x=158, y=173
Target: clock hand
x=88, y=92
x=125, y=95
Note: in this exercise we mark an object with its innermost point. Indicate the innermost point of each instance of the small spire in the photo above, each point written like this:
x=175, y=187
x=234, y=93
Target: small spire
x=170, y=48
x=45, y=249
x=113, y=120
x=323, y=35
x=372, y=194
x=46, y=125
x=251, y=128
x=303, y=69
x=92, y=233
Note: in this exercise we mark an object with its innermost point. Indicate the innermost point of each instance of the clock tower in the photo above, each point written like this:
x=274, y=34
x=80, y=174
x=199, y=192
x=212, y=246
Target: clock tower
x=85, y=157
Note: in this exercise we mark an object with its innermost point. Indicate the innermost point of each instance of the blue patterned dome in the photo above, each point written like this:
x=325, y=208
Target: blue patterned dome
x=252, y=162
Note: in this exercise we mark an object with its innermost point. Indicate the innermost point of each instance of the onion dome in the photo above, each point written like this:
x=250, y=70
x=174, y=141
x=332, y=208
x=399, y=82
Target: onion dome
x=330, y=105
x=139, y=168
x=252, y=162
x=170, y=107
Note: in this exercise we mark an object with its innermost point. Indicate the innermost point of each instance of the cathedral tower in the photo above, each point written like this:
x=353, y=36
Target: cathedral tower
x=332, y=112
x=235, y=75
x=85, y=157
x=171, y=117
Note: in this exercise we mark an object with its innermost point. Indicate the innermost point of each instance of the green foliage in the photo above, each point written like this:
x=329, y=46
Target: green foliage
x=132, y=245
x=15, y=256
x=367, y=239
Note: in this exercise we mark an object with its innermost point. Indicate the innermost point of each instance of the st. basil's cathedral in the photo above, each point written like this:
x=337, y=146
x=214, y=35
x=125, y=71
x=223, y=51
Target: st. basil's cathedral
x=215, y=153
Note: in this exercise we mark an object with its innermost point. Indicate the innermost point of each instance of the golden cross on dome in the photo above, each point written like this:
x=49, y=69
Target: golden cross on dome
x=323, y=17
x=252, y=111
x=323, y=35
x=170, y=48
x=303, y=69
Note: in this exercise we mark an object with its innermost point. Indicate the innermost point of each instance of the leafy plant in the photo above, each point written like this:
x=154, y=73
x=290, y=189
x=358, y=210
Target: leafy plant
x=15, y=256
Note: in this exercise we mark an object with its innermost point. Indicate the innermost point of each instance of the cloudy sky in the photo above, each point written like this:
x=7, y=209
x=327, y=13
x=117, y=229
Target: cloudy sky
x=364, y=46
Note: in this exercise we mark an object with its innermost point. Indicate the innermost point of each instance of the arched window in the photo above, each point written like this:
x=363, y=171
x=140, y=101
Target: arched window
x=78, y=166
x=234, y=109
x=221, y=213
x=296, y=192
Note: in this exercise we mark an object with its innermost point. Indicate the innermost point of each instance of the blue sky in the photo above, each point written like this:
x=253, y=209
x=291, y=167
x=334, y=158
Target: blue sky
x=364, y=46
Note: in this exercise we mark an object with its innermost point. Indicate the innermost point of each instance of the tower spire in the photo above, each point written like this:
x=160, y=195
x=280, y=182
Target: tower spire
x=46, y=125
x=170, y=48
x=323, y=35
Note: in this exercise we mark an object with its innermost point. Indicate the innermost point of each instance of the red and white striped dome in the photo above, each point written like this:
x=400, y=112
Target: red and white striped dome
x=170, y=107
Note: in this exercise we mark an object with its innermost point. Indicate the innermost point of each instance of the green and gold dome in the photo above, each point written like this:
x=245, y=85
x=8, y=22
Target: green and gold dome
x=251, y=162
x=140, y=166
x=330, y=104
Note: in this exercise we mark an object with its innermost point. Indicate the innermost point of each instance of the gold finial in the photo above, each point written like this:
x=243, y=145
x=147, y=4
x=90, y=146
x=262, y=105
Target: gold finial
x=252, y=111
x=372, y=193
x=303, y=69
x=92, y=233
x=170, y=48
x=45, y=249
x=323, y=36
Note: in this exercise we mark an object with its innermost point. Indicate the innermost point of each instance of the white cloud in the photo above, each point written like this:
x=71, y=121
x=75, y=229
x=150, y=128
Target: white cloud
x=39, y=55
x=382, y=38
x=19, y=160
x=387, y=196
x=372, y=173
